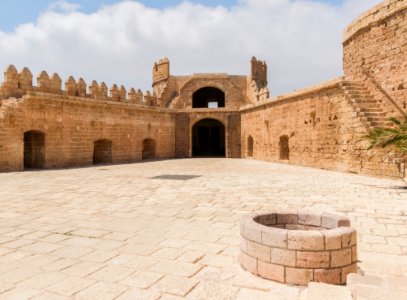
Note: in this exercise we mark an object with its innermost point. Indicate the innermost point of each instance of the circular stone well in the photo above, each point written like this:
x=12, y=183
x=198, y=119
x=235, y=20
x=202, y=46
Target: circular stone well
x=297, y=247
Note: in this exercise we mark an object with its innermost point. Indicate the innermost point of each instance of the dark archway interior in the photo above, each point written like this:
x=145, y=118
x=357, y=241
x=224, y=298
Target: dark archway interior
x=34, y=150
x=250, y=146
x=284, y=148
x=208, y=138
x=202, y=97
x=102, y=152
x=148, y=151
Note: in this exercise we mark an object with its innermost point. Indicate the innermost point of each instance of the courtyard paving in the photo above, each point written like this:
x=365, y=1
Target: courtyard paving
x=170, y=229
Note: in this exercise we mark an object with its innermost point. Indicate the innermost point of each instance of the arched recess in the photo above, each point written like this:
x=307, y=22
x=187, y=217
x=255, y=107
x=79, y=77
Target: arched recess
x=250, y=146
x=149, y=149
x=34, y=149
x=102, y=152
x=284, y=147
x=208, y=97
x=208, y=138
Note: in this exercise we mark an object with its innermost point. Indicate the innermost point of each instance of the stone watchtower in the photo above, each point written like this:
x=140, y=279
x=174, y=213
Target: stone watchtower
x=258, y=80
x=207, y=106
x=164, y=85
x=161, y=71
x=258, y=72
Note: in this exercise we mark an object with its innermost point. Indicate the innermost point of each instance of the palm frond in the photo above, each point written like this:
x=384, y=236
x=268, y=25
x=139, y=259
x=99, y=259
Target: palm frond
x=386, y=137
x=395, y=121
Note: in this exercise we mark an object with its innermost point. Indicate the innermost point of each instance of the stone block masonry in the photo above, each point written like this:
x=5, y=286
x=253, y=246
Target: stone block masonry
x=56, y=123
x=72, y=126
x=375, y=50
x=320, y=127
x=298, y=247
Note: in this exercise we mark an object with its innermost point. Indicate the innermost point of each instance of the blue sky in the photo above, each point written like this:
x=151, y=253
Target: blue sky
x=301, y=40
x=15, y=12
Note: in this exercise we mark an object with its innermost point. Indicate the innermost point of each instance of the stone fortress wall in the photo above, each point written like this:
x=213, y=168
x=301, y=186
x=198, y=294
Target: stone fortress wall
x=322, y=126
x=73, y=120
x=325, y=124
x=375, y=52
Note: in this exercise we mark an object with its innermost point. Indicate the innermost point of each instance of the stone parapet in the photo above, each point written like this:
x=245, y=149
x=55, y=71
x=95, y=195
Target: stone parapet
x=17, y=84
x=296, y=95
x=373, y=16
x=87, y=102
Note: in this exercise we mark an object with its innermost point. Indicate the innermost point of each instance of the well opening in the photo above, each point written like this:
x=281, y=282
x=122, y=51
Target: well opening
x=297, y=247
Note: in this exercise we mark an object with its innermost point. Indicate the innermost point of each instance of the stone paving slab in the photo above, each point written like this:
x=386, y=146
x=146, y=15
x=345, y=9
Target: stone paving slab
x=170, y=229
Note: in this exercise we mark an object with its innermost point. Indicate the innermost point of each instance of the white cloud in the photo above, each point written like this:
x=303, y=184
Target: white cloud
x=64, y=6
x=300, y=40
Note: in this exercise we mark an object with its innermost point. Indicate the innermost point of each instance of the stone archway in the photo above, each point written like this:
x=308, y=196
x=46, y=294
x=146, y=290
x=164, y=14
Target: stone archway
x=102, y=152
x=34, y=150
x=208, y=139
x=284, y=148
x=148, y=151
x=208, y=97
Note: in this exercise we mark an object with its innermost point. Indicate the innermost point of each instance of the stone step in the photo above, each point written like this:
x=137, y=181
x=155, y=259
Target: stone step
x=388, y=124
x=360, y=95
x=371, y=110
x=375, y=114
x=323, y=291
x=352, y=83
x=367, y=105
x=355, y=279
x=355, y=89
x=357, y=92
x=376, y=119
x=380, y=124
x=373, y=287
x=364, y=100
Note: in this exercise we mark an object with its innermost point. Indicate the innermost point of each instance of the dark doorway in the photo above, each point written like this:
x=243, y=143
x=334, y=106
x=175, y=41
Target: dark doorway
x=250, y=146
x=148, y=151
x=208, y=138
x=102, y=152
x=284, y=148
x=34, y=150
x=208, y=97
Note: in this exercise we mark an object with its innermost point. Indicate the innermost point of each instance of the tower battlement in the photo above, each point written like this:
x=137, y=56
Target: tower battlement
x=57, y=123
x=17, y=84
x=259, y=71
x=161, y=70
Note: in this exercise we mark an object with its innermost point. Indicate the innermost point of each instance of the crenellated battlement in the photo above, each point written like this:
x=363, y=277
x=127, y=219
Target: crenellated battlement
x=63, y=122
x=17, y=84
x=258, y=90
x=161, y=70
x=259, y=71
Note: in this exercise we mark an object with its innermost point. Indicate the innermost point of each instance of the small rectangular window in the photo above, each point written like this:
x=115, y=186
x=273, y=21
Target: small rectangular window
x=212, y=104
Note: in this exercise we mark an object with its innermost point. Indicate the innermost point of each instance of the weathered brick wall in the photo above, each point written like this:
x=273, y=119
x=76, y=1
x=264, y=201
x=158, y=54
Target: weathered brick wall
x=323, y=130
x=72, y=124
x=375, y=52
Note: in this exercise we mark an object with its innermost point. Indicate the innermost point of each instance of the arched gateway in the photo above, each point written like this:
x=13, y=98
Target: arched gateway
x=148, y=151
x=208, y=138
x=102, y=152
x=34, y=149
x=208, y=97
